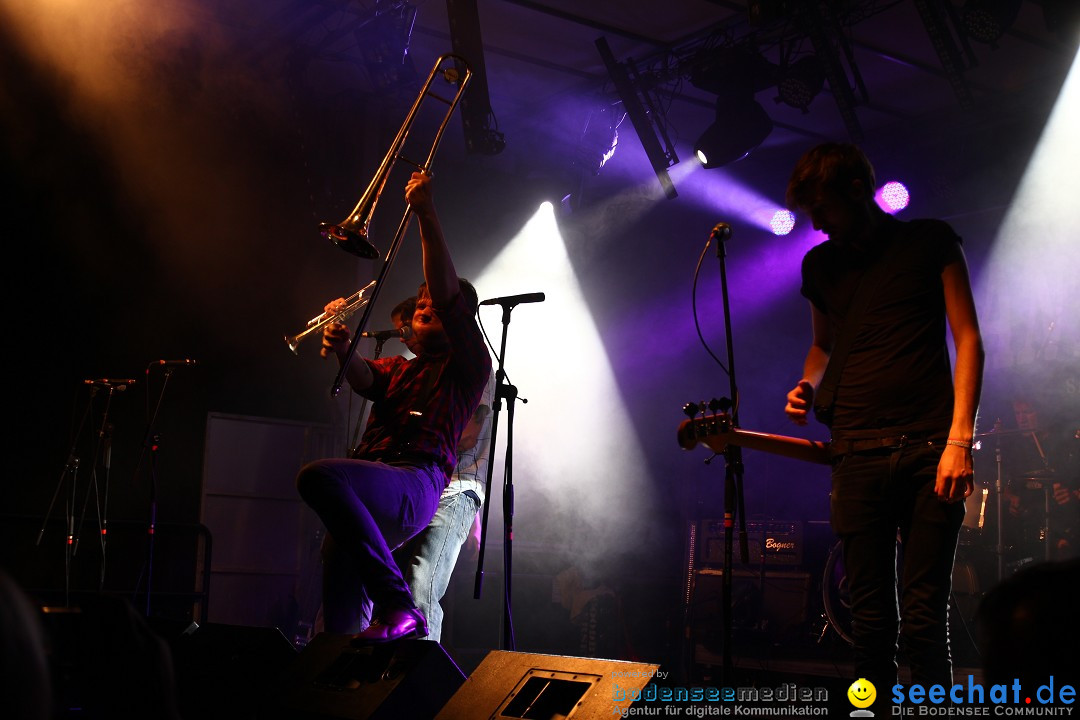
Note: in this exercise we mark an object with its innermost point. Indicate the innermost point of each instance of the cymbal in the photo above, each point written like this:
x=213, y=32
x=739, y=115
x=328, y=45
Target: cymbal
x=1004, y=433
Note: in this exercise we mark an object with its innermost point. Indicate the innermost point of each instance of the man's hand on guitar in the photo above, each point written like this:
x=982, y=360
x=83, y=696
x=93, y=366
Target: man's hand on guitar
x=955, y=477
x=799, y=401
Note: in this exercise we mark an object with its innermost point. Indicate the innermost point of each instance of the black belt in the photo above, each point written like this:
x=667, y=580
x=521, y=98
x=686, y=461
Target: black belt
x=890, y=442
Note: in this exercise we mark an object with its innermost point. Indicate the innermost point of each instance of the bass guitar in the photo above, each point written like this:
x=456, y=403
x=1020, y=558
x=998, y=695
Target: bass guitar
x=716, y=432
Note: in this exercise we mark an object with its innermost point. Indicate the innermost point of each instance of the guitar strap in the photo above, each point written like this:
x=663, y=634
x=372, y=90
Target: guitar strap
x=825, y=398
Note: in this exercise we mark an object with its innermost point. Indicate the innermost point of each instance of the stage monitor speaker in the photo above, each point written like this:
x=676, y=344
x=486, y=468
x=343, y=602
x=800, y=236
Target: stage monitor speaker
x=106, y=662
x=540, y=687
x=331, y=679
x=226, y=671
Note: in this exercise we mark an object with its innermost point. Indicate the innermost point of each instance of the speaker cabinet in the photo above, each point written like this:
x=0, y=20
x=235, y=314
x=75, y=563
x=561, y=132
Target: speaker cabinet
x=225, y=671
x=772, y=605
x=522, y=685
x=331, y=679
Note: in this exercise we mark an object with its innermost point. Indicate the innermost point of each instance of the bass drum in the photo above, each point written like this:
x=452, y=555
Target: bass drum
x=963, y=603
x=836, y=595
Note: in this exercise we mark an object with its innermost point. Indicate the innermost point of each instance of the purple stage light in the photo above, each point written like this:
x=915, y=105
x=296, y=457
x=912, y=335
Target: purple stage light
x=893, y=197
x=783, y=221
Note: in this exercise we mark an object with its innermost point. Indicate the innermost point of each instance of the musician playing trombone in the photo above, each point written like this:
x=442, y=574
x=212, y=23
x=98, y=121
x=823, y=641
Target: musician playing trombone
x=389, y=491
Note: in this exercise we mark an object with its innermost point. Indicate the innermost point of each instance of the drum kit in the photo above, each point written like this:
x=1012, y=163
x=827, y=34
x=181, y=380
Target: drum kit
x=1010, y=517
x=1009, y=523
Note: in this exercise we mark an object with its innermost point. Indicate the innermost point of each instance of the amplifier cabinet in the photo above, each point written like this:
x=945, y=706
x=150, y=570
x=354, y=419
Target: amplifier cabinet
x=777, y=542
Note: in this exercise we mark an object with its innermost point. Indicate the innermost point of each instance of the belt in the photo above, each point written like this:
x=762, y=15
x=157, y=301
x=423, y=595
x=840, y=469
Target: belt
x=886, y=442
x=403, y=458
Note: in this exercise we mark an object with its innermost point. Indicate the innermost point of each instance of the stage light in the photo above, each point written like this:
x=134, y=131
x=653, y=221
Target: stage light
x=783, y=221
x=734, y=75
x=800, y=82
x=893, y=197
x=987, y=20
x=741, y=125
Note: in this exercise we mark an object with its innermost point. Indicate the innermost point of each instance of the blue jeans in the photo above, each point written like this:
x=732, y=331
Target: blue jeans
x=875, y=495
x=428, y=560
x=368, y=508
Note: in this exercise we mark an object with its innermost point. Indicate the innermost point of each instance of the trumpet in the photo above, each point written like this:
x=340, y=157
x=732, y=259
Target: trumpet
x=316, y=324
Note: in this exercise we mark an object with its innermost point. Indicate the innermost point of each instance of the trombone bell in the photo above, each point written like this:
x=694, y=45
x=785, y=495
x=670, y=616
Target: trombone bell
x=351, y=234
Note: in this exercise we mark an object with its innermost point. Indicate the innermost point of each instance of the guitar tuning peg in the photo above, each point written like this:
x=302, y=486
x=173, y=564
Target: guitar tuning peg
x=690, y=410
x=715, y=405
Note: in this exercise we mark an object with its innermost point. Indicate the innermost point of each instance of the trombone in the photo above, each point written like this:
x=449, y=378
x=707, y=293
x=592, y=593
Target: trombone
x=316, y=324
x=351, y=234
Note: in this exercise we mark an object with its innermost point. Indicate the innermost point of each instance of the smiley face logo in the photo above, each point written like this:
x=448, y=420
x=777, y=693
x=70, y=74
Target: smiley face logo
x=862, y=693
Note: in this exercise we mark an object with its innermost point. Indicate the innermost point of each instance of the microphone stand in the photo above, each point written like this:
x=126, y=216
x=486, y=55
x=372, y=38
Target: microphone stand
x=103, y=448
x=503, y=390
x=733, y=465
x=999, y=496
x=106, y=437
x=71, y=470
x=152, y=442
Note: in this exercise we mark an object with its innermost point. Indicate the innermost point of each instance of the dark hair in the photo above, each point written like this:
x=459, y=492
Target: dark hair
x=467, y=289
x=832, y=166
x=405, y=309
x=471, y=298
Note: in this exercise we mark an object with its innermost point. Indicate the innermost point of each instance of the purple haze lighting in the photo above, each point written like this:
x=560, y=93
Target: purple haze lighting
x=782, y=222
x=893, y=197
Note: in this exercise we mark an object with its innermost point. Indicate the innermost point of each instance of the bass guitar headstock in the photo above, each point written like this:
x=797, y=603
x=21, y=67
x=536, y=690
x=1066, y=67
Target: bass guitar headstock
x=707, y=423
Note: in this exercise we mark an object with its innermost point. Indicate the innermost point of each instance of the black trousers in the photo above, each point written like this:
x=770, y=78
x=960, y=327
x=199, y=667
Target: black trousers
x=875, y=496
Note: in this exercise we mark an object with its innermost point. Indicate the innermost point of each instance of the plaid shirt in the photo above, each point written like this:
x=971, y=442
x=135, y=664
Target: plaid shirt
x=471, y=471
x=420, y=406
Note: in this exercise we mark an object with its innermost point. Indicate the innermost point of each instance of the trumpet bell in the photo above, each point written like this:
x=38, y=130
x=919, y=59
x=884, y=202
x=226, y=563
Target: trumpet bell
x=350, y=240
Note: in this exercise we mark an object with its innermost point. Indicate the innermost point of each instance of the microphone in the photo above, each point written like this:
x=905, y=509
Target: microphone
x=185, y=361
x=512, y=300
x=722, y=231
x=118, y=385
x=404, y=332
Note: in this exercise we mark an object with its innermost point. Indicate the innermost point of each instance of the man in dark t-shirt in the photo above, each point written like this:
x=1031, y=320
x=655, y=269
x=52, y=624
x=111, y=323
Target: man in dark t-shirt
x=902, y=420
